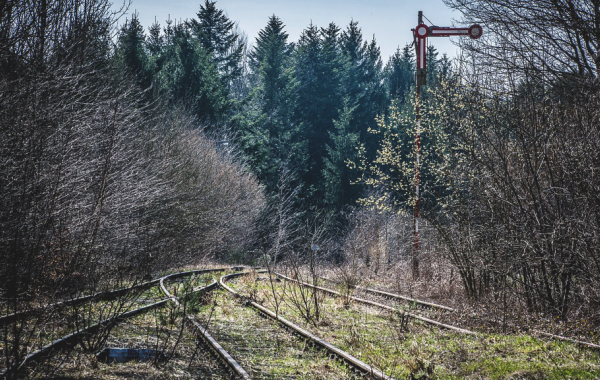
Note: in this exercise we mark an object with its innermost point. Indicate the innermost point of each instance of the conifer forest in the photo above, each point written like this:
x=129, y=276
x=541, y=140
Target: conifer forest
x=220, y=206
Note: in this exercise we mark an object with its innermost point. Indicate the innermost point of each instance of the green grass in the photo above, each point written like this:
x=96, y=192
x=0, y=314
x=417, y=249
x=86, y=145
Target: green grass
x=423, y=351
x=262, y=347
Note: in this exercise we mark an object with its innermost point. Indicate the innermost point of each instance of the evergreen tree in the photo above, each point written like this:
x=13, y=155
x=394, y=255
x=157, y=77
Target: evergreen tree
x=363, y=79
x=373, y=99
x=342, y=150
x=270, y=61
x=131, y=51
x=318, y=65
x=155, y=41
x=216, y=34
x=270, y=135
x=433, y=67
x=363, y=84
x=400, y=74
x=190, y=78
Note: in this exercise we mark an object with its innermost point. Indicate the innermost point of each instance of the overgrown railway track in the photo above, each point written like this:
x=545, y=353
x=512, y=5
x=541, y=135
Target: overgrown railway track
x=379, y=305
x=393, y=296
x=217, y=336
x=358, y=366
x=74, y=337
x=235, y=370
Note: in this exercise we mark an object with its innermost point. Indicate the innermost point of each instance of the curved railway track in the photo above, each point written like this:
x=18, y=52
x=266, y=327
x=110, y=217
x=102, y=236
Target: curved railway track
x=102, y=296
x=236, y=371
x=359, y=366
x=73, y=338
x=398, y=297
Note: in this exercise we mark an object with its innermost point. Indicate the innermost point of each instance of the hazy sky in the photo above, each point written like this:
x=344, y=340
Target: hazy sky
x=389, y=21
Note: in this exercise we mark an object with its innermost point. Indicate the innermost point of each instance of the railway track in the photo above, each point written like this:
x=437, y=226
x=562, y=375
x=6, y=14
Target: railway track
x=236, y=371
x=218, y=351
x=379, y=305
x=71, y=339
x=403, y=349
x=393, y=296
x=361, y=368
x=101, y=296
x=398, y=297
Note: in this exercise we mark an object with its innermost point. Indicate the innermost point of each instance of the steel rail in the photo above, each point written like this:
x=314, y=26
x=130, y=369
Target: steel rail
x=237, y=370
x=397, y=296
x=539, y=332
x=103, y=296
x=376, y=304
x=72, y=338
x=564, y=338
x=343, y=355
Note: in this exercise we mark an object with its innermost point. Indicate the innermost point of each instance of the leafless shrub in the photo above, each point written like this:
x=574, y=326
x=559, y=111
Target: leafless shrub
x=98, y=188
x=305, y=264
x=526, y=235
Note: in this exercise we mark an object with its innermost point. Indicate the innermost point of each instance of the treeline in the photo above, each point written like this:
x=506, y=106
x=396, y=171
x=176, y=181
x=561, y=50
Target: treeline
x=299, y=107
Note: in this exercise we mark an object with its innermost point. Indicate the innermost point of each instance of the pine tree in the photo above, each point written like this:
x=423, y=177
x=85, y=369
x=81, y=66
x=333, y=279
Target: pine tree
x=270, y=61
x=190, y=78
x=363, y=85
x=363, y=76
x=155, y=41
x=433, y=66
x=373, y=101
x=400, y=74
x=318, y=65
x=270, y=136
x=216, y=34
x=342, y=150
x=131, y=51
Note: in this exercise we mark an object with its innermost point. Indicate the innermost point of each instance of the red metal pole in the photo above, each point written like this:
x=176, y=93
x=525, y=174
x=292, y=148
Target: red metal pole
x=415, y=255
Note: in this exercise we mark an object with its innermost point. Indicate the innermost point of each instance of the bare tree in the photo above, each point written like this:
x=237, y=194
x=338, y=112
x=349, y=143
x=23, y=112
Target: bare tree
x=548, y=40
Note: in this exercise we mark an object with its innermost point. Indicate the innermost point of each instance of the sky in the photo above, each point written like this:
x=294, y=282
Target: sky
x=389, y=21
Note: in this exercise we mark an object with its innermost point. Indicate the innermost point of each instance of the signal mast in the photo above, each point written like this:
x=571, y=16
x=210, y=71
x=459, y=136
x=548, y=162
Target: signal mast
x=420, y=34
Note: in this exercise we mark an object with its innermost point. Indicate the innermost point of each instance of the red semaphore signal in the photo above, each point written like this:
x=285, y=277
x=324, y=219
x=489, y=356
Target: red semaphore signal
x=421, y=32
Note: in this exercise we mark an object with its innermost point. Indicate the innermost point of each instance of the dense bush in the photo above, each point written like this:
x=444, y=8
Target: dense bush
x=99, y=186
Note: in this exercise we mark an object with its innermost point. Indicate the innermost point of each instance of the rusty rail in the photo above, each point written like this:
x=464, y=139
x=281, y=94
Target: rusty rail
x=72, y=338
x=235, y=369
x=367, y=302
x=362, y=367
